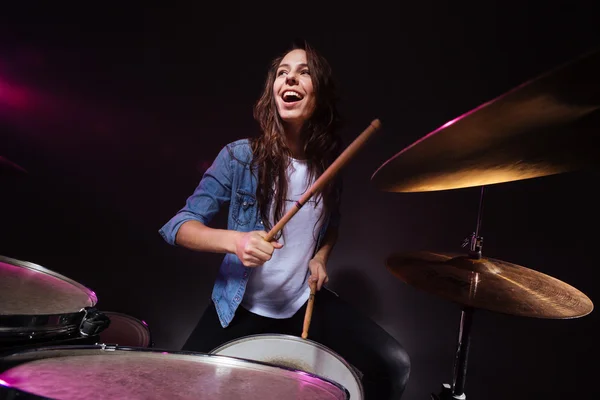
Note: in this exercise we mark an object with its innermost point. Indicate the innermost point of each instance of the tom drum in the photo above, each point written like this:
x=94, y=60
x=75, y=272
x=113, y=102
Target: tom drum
x=37, y=304
x=112, y=372
x=296, y=353
x=125, y=330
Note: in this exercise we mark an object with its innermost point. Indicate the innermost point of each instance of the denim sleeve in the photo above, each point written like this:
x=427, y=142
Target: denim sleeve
x=212, y=192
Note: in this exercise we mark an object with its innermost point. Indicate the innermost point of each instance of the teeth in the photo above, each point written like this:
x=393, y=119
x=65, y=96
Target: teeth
x=291, y=93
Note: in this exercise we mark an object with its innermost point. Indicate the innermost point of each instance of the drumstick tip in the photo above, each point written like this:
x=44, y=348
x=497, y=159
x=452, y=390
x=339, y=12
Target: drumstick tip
x=376, y=123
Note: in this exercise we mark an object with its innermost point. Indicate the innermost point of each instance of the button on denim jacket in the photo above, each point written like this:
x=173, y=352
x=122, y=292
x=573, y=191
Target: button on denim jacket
x=229, y=179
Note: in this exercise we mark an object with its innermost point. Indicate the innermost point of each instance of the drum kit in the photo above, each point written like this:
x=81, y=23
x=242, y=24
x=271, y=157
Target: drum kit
x=57, y=344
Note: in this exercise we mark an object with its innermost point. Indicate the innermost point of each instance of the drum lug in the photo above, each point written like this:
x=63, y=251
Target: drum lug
x=108, y=347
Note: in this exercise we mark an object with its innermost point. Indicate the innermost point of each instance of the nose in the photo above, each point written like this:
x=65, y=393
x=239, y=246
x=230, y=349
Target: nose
x=291, y=79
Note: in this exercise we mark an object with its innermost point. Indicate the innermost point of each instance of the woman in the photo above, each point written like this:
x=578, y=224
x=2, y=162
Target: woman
x=262, y=286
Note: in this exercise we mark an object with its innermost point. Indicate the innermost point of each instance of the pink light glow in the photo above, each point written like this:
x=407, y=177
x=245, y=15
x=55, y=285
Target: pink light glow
x=447, y=124
x=4, y=383
x=14, y=96
x=144, y=322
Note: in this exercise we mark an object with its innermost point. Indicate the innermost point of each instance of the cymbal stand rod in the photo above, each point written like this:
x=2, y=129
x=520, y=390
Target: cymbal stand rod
x=462, y=353
x=456, y=391
x=476, y=240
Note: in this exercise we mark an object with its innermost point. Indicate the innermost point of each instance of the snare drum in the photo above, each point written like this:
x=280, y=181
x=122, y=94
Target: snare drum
x=37, y=304
x=296, y=353
x=125, y=330
x=111, y=372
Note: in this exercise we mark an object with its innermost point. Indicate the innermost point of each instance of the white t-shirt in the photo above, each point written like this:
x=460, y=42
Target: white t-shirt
x=279, y=287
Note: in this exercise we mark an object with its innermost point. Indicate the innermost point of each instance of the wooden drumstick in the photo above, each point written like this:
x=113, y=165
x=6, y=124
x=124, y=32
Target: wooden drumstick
x=309, y=309
x=329, y=173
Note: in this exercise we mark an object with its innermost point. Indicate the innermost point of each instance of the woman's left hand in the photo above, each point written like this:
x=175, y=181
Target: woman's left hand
x=318, y=272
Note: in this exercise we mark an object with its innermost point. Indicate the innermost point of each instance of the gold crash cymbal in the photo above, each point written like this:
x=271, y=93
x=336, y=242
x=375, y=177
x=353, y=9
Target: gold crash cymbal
x=544, y=127
x=490, y=284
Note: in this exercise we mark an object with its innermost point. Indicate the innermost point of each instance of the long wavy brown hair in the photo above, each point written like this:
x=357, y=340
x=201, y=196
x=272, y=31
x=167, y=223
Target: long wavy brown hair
x=322, y=144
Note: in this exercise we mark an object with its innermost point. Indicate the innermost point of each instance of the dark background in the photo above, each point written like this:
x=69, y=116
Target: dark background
x=116, y=110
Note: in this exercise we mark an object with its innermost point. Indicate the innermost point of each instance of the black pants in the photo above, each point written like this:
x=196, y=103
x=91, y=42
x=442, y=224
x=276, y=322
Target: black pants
x=384, y=363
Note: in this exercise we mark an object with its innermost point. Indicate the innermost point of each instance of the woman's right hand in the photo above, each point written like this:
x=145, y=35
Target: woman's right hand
x=252, y=248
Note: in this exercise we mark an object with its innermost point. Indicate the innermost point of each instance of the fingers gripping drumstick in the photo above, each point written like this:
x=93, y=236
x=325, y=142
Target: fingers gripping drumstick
x=329, y=173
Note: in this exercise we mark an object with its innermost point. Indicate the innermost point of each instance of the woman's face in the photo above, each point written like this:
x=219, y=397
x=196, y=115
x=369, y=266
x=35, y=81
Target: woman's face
x=293, y=89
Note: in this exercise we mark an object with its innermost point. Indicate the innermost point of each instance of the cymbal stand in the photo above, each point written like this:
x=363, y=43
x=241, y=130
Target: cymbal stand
x=456, y=391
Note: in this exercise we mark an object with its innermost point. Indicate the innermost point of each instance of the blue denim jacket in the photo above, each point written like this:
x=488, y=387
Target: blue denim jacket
x=229, y=179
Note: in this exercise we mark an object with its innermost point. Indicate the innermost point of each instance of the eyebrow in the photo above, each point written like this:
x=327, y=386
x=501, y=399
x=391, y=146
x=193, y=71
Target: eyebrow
x=288, y=66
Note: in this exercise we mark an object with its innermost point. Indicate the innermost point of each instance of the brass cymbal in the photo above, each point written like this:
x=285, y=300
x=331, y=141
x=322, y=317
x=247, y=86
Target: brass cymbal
x=490, y=284
x=543, y=127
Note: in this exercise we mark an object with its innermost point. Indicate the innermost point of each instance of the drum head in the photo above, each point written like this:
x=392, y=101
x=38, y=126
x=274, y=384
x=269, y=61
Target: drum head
x=295, y=353
x=91, y=372
x=29, y=289
x=125, y=330
x=29, y=292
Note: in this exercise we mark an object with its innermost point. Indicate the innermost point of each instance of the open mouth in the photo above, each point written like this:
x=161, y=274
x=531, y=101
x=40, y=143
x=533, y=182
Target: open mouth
x=290, y=96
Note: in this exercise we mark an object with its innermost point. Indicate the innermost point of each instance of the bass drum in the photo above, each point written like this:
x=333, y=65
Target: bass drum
x=112, y=372
x=296, y=353
x=125, y=330
x=38, y=305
